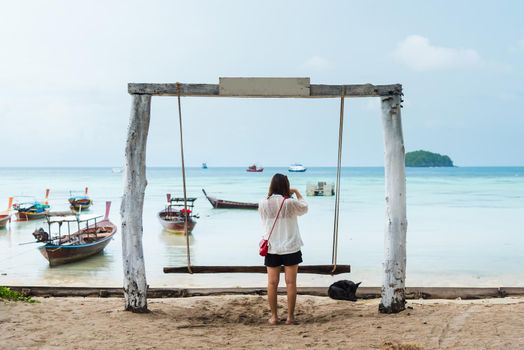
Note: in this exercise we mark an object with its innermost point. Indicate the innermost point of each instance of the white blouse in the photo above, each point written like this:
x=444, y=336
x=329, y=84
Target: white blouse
x=285, y=238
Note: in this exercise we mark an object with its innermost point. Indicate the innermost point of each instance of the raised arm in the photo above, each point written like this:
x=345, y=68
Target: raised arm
x=296, y=192
x=298, y=205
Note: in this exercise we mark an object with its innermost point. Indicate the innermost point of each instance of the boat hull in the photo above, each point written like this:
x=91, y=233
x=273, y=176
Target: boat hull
x=65, y=253
x=27, y=215
x=3, y=221
x=175, y=223
x=59, y=255
x=225, y=204
x=296, y=168
x=80, y=204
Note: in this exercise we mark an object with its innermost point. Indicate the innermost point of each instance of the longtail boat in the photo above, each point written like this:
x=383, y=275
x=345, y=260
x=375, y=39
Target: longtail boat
x=32, y=210
x=80, y=202
x=5, y=216
x=173, y=216
x=65, y=247
x=225, y=204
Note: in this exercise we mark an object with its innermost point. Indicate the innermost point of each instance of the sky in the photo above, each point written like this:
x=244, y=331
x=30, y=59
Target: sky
x=65, y=65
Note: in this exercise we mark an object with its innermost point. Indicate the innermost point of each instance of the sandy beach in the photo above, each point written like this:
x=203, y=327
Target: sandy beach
x=239, y=322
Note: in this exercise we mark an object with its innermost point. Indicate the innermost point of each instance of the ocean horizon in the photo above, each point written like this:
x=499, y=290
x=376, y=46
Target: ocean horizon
x=244, y=167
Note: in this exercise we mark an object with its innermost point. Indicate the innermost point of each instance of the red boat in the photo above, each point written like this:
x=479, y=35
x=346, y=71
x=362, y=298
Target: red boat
x=66, y=247
x=225, y=204
x=253, y=169
x=173, y=216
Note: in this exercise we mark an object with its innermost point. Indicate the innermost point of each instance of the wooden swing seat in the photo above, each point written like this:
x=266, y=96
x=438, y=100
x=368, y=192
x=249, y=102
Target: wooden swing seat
x=313, y=269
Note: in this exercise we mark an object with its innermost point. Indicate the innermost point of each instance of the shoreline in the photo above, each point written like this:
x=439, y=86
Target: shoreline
x=369, y=278
x=449, y=293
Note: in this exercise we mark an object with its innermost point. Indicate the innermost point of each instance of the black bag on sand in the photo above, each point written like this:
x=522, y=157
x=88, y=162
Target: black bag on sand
x=343, y=290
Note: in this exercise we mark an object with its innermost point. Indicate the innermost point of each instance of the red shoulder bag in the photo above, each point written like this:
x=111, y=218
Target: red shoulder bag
x=264, y=243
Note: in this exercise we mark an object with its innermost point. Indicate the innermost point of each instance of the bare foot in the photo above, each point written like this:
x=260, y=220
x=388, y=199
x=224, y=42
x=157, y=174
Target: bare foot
x=290, y=321
x=273, y=321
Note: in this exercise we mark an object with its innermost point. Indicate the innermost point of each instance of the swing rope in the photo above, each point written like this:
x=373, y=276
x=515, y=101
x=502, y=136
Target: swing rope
x=188, y=253
x=337, y=193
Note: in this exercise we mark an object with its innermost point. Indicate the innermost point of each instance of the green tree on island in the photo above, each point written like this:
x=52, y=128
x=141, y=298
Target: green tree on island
x=427, y=159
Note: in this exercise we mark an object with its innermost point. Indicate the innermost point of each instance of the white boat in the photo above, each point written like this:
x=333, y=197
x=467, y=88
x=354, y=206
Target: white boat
x=116, y=170
x=297, y=168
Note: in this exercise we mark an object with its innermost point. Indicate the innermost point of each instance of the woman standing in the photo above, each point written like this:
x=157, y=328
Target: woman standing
x=284, y=243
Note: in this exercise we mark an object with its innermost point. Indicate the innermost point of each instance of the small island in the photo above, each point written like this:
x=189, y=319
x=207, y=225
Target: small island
x=427, y=159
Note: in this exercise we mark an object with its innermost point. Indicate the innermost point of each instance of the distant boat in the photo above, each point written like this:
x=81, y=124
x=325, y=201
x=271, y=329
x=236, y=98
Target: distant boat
x=63, y=248
x=173, y=216
x=204, y=165
x=80, y=202
x=297, y=168
x=253, y=169
x=32, y=210
x=5, y=216
x=116, y=170
x=225, y=204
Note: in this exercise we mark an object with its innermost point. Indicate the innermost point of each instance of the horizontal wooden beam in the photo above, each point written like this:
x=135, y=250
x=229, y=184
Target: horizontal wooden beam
x=316, y=269
x=362, y=292
x=316, y=91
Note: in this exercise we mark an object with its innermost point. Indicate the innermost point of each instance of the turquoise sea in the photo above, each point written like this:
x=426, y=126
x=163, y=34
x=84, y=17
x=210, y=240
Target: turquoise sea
x=464, y=226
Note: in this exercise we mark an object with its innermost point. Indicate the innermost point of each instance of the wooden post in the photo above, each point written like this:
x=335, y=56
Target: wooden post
x=135, y=285
x=393, y=288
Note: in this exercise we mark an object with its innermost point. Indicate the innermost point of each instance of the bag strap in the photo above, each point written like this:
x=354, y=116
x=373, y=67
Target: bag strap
x=276, y=218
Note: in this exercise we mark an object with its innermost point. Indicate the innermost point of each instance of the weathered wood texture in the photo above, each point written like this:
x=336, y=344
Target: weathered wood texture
x=316, y=91
x=135, y=285
x=362, y=292
x=393, y=288
x=393, y=292
x=281, y=87
x=316, y=269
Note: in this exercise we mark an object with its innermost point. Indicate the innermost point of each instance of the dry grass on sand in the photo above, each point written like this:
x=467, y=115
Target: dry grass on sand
x=240, y=322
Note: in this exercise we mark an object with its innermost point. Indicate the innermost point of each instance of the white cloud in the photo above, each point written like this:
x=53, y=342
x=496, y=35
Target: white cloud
x=418, y=53
x=317, y=63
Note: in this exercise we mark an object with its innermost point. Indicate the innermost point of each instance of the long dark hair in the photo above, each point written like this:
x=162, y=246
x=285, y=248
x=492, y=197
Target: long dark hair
x=279, y=185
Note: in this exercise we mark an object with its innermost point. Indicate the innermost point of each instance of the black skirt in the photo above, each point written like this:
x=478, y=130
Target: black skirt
x=274, y=260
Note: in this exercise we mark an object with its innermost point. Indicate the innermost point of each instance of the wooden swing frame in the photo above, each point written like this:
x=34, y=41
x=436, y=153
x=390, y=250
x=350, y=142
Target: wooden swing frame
x=135, y=286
